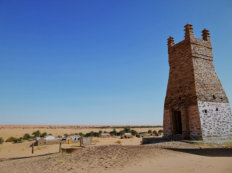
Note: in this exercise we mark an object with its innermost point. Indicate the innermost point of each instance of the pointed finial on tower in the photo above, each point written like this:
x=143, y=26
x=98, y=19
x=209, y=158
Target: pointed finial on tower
x=205, y=35
x=171, y=41
x=188, y=31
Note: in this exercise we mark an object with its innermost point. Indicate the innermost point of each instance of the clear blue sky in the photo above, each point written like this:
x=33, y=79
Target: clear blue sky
x=99, y=61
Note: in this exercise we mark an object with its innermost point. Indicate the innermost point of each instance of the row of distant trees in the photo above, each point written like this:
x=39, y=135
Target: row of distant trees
x=25, y=137
x=114, y=132
x=1, y=140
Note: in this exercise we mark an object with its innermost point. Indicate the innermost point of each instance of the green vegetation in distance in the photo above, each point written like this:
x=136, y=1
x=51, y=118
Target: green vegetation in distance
x=155, y=133
x=120, y=127
x=1, y=140
x=27, y=136
x=114, y=132
x=160, y=132
x=36, y=133
x=15, y=140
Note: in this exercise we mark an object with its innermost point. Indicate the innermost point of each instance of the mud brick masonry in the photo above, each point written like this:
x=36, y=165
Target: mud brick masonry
x=196, y=105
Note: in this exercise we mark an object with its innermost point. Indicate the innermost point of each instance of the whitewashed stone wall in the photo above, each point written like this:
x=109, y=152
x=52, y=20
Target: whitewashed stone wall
x=216, y=119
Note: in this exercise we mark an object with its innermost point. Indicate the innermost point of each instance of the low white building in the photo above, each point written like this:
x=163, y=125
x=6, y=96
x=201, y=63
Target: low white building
x=49, y=138
x=74, y=137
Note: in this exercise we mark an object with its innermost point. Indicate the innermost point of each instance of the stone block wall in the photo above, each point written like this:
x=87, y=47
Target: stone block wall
x=87, y=141
x=207, y=84
x=215, y=119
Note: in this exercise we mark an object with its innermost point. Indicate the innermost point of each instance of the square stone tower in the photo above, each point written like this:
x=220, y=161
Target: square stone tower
x=196, y=106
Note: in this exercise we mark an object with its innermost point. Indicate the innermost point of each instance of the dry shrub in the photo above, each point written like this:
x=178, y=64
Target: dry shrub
x=60, y=162
x=228, y=144
x=41, y=147
x=94, y=141
x=118, y=142
x=1, y=140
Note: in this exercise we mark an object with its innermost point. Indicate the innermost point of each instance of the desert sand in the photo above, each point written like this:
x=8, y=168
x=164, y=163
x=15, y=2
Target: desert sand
x=111, y=155
x=173, y=157
x=10, y=150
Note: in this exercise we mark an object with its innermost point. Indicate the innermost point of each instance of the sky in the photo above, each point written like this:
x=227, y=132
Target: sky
x=99, y=61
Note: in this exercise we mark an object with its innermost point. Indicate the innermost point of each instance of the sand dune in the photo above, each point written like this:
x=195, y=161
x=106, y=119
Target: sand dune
x=10, y=150
x=111, y=155
x=126, y=159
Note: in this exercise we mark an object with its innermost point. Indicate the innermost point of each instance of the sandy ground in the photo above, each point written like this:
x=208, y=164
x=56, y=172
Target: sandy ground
x=10, y=150
x=111, y=155
x=176, y=157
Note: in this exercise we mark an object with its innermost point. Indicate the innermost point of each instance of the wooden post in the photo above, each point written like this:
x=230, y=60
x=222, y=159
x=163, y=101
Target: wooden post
x=81, y=141
x=32, y=148
x=60, y=147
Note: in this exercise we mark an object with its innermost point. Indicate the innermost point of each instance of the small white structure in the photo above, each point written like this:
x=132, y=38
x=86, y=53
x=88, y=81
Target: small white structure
x=74, y=137
x=49, y=138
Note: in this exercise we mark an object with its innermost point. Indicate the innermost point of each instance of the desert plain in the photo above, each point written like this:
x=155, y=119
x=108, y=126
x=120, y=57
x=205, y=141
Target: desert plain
x=111, y=154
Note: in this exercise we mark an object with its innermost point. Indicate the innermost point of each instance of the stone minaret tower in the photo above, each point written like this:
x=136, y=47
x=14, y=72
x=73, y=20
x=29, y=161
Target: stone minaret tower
x=196, y=106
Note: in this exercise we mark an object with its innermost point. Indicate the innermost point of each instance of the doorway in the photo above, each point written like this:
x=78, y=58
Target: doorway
x=177, y=124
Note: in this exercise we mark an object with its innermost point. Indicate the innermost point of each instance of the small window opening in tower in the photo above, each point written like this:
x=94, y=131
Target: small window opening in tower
x=205, y=111
x=216, y=109
x=214, y=97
